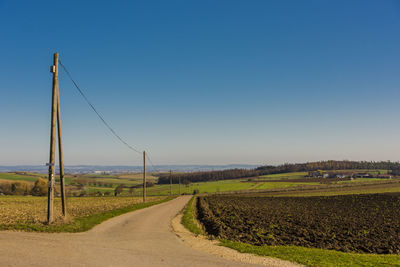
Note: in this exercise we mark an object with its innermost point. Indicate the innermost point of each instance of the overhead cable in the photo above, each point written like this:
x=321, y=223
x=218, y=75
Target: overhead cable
x=98, y=114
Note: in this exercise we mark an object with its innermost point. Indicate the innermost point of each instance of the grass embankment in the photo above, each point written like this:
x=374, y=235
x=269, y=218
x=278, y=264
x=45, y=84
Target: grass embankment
x=87, y=220
x=188, y=218
x=302, y=255
x=314, y=256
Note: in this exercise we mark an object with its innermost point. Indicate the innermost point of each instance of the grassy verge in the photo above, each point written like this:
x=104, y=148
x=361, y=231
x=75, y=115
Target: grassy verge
x=188, y=218
x=314, y=256
x=302, y=255
x=81, y=224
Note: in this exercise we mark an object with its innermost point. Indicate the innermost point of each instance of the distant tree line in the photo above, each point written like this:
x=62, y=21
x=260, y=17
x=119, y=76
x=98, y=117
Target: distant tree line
x=91, y=182
x=40, y=188
x=120, y=188
x=192, y=177
x=206, y=176
x=329, y=165
x=23, y=188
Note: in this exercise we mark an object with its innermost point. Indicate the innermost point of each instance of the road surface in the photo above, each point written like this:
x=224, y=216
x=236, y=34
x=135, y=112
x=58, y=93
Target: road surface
x=139, y=238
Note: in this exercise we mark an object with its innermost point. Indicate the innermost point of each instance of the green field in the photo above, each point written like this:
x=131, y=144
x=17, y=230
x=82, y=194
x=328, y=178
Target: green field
x=287, y=186
x=278, y=185
x=280, y=176
x=300, y=175
x=124, y=178
x=361, y=180
x=353, y=188
x=206, y=187
x=28, y=177
x=223, y=186
x=373, y=171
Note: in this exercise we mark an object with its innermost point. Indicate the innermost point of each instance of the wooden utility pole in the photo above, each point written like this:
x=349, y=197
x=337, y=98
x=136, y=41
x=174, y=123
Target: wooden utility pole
x=50, y=195
x=60, y=156
x=179, y=184
x=144, y=176
x=170, y=182
x=55, y=120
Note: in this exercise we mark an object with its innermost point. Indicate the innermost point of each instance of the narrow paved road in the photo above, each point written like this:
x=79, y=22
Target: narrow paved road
x=139, y=238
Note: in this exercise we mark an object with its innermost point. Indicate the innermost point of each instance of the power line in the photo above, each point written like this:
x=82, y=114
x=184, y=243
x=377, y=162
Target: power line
x=151, y=163
x=98, y=114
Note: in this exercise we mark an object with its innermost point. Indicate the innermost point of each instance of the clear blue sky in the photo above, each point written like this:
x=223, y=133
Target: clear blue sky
x=203, y=82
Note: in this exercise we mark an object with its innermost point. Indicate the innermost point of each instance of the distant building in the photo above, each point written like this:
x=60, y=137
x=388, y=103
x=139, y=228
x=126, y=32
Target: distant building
x=102, y=172
x=319, y=174
x=315, y=174
x=384, y=176
x=363, y=175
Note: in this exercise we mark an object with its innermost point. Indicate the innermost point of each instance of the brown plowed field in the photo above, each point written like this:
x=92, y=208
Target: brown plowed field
x=350, y=223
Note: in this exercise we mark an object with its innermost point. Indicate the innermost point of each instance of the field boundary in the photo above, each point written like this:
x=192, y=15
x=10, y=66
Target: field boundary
x=213, y=247
x=187, y=229
x=287, y=254
x=301, y=188
x=315, y=256
x=189, y=218
x=82, y=224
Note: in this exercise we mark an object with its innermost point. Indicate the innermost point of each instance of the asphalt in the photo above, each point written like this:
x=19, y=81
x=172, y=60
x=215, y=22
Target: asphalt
x=140, y=238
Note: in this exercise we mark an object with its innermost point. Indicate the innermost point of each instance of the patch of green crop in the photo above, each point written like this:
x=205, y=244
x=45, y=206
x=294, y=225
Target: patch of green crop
x=373, y=189
x=19, y=177
x=314, y=256
x=277, y=185
x=361, y=180
x=289, y=175
x=188, y=218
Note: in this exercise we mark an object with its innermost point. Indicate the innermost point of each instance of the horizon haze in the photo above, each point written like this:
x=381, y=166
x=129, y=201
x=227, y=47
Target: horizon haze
x=227, y=82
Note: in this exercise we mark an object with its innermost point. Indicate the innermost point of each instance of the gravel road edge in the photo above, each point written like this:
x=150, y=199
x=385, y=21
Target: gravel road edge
x=201, y=243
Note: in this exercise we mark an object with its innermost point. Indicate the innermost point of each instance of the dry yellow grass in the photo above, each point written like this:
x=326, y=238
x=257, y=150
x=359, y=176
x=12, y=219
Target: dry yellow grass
x=28, y=209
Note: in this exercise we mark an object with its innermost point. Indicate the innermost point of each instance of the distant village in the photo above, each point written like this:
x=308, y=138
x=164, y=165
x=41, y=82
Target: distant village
x=346, y=175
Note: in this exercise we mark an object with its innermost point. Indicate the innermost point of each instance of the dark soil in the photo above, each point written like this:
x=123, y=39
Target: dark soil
x=350, y=223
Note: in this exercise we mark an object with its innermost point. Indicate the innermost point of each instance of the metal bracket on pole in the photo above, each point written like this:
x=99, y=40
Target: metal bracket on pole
x=51, y=183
